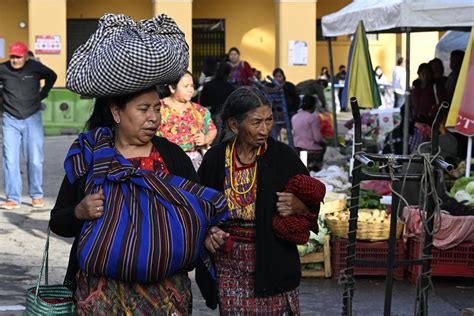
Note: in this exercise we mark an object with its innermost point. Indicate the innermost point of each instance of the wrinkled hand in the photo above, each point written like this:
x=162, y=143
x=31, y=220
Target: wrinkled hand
x=215, y=239
x=288, y=204
x=91, y=207
x=200, y=139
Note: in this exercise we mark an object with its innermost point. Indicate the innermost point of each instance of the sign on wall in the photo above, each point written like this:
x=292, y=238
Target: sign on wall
x=297, y=53
x=48, y=44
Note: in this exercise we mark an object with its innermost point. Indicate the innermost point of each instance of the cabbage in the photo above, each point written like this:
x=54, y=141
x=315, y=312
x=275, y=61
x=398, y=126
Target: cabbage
x=470, y=188
x=462, y=196
x=302, y=249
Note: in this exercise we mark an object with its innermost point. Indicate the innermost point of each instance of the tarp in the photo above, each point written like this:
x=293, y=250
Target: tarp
x=451, y=40
x=396, y=15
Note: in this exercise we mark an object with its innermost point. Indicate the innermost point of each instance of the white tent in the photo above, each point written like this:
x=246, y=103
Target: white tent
x=395, y=15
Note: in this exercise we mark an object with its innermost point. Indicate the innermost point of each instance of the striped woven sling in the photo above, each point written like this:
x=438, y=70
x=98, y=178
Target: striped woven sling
x=153, y=224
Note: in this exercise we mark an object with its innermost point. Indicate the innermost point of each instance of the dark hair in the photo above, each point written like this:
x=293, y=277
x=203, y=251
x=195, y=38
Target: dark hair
x=280, y=71
x=239, y=103
x=341, y=67
x=235, y=49
x=223, y=71
x=308, y=102
x=102, y=116
x=210, y=65
x=438, y=62
x=174, y=84
x=423, y=67
x=400, y=61
x=457, y=53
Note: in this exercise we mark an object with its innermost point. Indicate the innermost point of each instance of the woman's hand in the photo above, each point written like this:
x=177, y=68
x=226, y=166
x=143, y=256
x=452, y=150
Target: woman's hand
x=215, y=239
x=288, y=204
x=200, y=139
x=91, y=207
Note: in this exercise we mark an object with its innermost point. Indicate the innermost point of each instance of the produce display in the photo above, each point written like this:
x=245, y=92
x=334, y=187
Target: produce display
x=372, y=224
x=368, y=199
x=463, y=191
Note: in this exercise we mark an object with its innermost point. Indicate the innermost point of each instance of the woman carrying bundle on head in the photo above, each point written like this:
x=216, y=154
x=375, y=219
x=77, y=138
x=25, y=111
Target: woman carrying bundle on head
x=129, y=198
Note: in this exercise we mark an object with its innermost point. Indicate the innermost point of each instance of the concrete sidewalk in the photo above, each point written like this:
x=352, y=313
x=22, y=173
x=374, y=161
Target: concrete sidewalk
x=23, y=233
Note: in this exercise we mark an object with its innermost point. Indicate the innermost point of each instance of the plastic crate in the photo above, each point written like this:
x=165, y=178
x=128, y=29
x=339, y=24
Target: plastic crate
x=366, y=250
x=455, y=262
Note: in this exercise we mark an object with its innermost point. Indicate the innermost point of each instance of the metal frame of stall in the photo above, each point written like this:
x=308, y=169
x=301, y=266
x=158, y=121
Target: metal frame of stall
x=394, y=164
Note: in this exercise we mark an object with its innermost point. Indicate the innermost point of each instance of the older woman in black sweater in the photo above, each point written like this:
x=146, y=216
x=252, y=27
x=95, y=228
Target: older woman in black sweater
x=257, y=272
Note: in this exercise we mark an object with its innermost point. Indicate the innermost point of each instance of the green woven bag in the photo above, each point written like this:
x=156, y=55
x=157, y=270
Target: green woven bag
x=51, y=299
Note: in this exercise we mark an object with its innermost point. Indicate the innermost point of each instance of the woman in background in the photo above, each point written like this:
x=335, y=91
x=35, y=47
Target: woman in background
x=184, y=122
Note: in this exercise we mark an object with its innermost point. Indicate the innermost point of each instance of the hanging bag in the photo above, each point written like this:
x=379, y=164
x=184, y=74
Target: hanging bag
x=48, y=299
x=124, y=56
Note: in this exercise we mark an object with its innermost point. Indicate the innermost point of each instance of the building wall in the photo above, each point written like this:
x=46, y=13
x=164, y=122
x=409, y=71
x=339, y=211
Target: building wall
x=249, y=25
x=11, y=13
x=94, y=9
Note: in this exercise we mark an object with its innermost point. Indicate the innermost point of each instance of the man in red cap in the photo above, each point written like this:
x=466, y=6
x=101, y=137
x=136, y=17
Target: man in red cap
x=22, y=122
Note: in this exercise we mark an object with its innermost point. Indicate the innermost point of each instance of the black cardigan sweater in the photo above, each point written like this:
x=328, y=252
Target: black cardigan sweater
x=277, y=262
x=64, y=223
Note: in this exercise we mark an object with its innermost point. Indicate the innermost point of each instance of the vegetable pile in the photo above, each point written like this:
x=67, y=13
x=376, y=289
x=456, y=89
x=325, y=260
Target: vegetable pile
x=463, y=191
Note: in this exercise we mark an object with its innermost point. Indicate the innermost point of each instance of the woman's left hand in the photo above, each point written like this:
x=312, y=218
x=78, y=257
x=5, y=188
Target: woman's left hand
x=200, y=139
x=288, y=204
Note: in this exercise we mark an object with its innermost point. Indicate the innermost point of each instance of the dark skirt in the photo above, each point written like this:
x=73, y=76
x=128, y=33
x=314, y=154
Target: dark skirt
x=236, y=281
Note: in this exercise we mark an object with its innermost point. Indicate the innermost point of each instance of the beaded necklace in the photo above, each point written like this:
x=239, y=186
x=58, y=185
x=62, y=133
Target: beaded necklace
x=232, y=161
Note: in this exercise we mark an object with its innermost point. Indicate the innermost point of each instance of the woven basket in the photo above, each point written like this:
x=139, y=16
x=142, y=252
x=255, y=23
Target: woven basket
x=333, y=203
x=366, y=230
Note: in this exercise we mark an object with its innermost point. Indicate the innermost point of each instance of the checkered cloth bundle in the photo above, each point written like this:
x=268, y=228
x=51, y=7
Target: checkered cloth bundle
x=296, y=228
x=124, y=56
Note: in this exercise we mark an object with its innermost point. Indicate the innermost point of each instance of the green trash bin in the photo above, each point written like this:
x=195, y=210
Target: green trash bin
x=66, y=112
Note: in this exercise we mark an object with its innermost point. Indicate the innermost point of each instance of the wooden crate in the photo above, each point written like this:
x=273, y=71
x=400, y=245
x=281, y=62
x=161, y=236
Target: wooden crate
x=315, y=257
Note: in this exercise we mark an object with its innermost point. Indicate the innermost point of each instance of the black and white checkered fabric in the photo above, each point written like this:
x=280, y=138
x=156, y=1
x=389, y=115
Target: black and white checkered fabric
x=124, y=56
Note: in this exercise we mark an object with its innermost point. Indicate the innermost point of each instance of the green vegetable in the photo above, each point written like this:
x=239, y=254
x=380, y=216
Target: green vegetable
x=470, y=188
x=460, y=191
x=302, y=249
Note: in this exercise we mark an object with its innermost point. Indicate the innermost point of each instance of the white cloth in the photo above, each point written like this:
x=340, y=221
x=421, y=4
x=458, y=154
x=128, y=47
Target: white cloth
x=399, y=80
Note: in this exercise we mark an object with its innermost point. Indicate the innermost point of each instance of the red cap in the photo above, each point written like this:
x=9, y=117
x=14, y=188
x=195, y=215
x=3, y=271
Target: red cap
x=18, y=49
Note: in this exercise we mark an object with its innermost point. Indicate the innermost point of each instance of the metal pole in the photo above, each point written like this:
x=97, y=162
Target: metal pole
x=407, y=95
x=468, y=156
x=333, y=93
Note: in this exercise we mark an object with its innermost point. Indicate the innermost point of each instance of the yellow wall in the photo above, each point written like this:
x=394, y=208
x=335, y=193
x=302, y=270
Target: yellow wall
x=249, y=25
x=48, y=17
x=11, y=13
x=94, y=9
x=422, y=49
x=182, y=13
x=287, y=12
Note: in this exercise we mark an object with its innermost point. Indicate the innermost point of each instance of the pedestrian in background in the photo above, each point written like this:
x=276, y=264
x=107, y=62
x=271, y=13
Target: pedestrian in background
x=184, y=122
x=399, y=84
x=241, y=73
x=292, y=98
x=215, y=93
x=22, y=124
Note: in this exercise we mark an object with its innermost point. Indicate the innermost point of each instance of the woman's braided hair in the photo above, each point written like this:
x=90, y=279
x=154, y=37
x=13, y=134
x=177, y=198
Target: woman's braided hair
x=239, y=103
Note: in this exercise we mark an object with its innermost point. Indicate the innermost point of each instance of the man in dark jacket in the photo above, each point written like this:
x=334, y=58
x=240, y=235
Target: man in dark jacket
x=22, y=121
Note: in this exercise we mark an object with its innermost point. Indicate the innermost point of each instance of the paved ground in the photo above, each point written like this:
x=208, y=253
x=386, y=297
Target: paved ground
x=22, y=237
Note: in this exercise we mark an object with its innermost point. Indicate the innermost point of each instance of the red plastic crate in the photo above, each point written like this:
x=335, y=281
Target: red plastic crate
x=366, y=250
x=455, y=262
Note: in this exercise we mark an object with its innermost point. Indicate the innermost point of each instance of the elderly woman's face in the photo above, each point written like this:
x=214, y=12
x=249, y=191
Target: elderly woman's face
x=256, y=127
x=140, y=119
x=184, y=89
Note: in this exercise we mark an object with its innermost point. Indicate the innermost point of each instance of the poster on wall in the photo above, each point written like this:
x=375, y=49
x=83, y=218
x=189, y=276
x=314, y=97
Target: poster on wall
x=297, y=53
x=2, y=48
x=47, y=44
